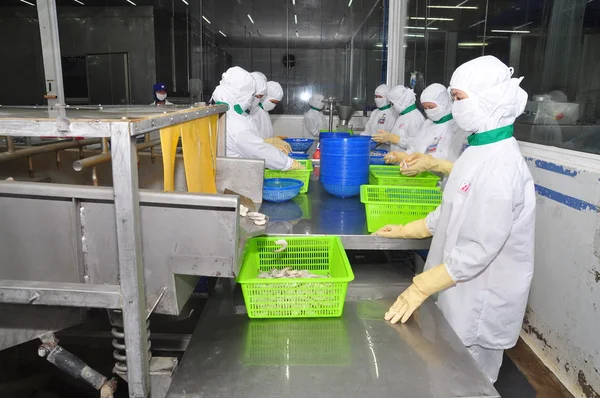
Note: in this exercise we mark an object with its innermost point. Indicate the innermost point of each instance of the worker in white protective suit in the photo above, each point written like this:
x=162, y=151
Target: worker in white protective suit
x=481, y=256
x=255, y=110
x=314, y=120
x=260, y=115
x=408, y=123
x=440, y=136
x=236, y=89
x=384, y=117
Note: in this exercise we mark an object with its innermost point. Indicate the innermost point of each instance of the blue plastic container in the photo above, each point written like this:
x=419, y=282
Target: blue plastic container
x=333, y=134
x=374, y=144
x=281, y=189
x=298, y=156
x=300, y=144
x=342, y=191
x=345, y=164
x=377, y=156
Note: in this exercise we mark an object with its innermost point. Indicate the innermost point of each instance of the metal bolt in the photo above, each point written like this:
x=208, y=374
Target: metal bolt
x=33, y=298
x=43, y=351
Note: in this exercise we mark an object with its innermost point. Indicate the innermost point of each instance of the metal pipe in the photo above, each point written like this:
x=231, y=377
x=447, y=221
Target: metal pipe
x=10, y=144
x=30, y=162
x=152, y=152
x=104, y=157
x=95, y=181
x=105, y=145
x=92, y=161
x=32, y=151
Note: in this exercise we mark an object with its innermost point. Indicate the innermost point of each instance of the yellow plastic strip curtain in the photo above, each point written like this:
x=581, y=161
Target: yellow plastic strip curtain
x=169, y=137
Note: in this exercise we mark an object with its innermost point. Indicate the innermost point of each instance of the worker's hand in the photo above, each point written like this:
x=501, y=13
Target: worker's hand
x=384, y=137
x=405, y=304
x=418, y=165
x=394, y=157
x=297, y=166
x=390, y=231
x=423, y=286
x=279, y=144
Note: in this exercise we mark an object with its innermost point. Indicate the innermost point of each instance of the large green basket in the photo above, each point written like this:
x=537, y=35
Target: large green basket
x=397, y=205
x=390, y=175
x=295, y=298
x=302, y=175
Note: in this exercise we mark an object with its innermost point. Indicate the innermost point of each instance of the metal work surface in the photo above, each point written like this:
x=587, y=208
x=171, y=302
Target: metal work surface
x=357, y=355
x=319, y=213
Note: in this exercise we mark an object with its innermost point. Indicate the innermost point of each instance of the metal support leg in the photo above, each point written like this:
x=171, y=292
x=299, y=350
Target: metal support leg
x=396, y=22
x=127, y=215
x=48, y=22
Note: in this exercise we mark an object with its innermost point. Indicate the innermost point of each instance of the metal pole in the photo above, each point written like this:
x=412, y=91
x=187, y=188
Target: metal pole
x=31, y=151
x=396, y=53
x=131, y=271
x=10, y=144
x=48, y=22
x=104, y=157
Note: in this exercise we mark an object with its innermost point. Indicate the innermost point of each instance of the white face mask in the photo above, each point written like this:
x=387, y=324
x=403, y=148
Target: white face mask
x=161, y=97
x=269, y=106
x=468, y=114
x=245, y=105
x=255, y=102
x=379, y=102
x=397, y=108
x=435, y=114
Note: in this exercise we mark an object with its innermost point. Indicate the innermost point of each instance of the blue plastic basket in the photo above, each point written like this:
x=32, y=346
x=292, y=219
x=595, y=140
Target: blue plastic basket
x=300, y=144
x=281, y=189
x=333, y=134
x=374, y=144
x=298, y=156
x=377, y=156
x=342, y=191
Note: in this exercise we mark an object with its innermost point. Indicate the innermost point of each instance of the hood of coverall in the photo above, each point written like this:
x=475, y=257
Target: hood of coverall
x=236, y=87
x=495, y=98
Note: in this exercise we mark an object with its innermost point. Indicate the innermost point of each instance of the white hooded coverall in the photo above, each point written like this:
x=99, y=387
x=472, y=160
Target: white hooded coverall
x=439, y=136
x=314, y=120
x=382, y=118
x=409, y=119
x=236, y=89
x=260, y=114
x=484, y=228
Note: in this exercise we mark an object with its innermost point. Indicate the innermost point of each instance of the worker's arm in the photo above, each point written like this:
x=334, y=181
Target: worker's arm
x=250, y=146
x=487, y=225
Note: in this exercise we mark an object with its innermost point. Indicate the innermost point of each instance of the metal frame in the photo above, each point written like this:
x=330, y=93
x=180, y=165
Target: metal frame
x=48, y=22
x=130, y=295
x=396, y=53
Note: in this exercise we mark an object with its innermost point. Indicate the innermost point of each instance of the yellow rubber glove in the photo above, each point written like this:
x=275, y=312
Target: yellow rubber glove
x=385, y=136
x=423, y=286
x=394, y=157
x=297, y=166
x=413, y=230
x=423, y=163
x=279, y=144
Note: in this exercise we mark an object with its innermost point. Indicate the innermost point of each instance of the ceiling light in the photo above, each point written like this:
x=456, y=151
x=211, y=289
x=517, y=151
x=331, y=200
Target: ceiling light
x=296, y=19
x=509, y=31
x=474, y=44
x=185, y=2
x=26, y=2
x=129, y=1
x=250, y=18
x=413, y=35
x=78, y=2
x=378, y=45
x=420, y=27
x=293, y=2
x=336, y=34
x=350, y=3
x=343, y=19
x=432, y=19
x=456, y=7
x=206, y=19
x=297, y=34
x=224, y=35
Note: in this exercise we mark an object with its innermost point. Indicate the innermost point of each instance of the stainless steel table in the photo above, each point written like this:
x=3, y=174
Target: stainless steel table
x=319, y=213
x=357, y=355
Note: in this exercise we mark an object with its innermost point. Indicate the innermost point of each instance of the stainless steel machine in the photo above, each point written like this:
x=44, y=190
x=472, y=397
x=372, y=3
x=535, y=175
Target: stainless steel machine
x=107, y=236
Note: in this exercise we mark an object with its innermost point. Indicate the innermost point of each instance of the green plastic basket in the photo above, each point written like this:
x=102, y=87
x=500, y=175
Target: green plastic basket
x=390, y=175
x=295, y=298
x=302, y=175
x=397, y=205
